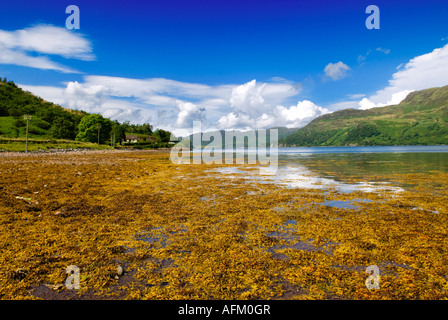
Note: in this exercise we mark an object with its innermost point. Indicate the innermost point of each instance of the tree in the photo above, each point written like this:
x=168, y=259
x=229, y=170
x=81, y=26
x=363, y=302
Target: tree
x=63, y=128
x=15, y=112
x=88, y=129
x=126, y=126
x=118, y=131
x=163, y=135
x=19, y=123
x=3, y=110
x=146, y=128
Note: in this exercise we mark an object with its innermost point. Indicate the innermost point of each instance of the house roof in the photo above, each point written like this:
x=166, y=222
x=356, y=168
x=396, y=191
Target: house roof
x=140, y=137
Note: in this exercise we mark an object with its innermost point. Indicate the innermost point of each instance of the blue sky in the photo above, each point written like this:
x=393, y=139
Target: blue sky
x=232, y=64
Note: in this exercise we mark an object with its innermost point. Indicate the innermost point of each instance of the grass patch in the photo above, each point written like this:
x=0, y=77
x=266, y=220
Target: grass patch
x=34, y=145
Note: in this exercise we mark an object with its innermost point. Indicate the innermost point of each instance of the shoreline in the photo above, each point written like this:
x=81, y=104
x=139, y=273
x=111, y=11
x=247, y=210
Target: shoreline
x=75, y=151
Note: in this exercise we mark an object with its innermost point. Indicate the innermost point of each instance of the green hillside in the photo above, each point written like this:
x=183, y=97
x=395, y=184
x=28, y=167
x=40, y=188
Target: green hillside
x=52, y=126
x=420, y=119
x=47, y=119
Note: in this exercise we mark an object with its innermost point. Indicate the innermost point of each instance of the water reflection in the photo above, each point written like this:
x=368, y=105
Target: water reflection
x=301, y=177
x=360, y=164
x=337, y=167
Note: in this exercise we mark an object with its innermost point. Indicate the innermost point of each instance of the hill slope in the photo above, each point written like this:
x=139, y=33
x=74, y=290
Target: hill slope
x=48, y=120
x=420, y=119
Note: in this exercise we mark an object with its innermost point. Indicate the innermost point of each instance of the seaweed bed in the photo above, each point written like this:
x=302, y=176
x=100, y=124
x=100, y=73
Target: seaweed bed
x=190, y=232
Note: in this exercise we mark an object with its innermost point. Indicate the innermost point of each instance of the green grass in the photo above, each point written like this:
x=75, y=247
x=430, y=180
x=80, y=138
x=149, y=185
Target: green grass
x=37, y=128
x=13, y=138
x=6, y=124
x=19, y=145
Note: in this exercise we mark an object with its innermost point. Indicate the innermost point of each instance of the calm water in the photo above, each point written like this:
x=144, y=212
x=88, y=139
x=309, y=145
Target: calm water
x=374, y=149
x=334, y=167
x=361, y=161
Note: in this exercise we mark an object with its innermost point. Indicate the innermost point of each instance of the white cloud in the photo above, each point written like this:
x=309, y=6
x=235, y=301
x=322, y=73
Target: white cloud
x=14, y=57
x=395, y=99
x=189, y=112
x=128, y=87
x=173, y=105
x=356, y=96
x=256, y=106
x=301, y=114
x=248, y=98
x=293, y=117
x=422, y=72
x=362, y=58
x=53, y=94
x=17, y=47
x=336, y=71
x=234, y=121
x=89, y=98
x=383, y=50
x=365, y=104
x=354, y=104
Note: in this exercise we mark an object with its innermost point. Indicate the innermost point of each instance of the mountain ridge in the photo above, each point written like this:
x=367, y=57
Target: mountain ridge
x=420, y=119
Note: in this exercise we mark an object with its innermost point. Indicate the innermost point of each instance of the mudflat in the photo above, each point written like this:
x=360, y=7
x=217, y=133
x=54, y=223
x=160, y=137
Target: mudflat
x=140, y=227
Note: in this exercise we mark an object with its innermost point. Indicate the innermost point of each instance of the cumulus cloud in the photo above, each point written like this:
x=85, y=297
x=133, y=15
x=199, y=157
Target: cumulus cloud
x=299, y=115
x=293, y=117
x=235, y=121
x=256, y=106
x=90, y=98
x=422, y=72
x=248, y=98
x=336, y=71
x=174, y=105
x=17, y=47
x=189, y=112
x=396, y=98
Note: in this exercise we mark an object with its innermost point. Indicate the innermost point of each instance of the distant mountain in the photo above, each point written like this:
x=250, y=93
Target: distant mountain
x=420, y=119
x=240, y=139
x=284, y=132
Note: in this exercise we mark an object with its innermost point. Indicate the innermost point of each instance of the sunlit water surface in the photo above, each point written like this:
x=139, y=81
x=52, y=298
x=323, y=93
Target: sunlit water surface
x=373, y=168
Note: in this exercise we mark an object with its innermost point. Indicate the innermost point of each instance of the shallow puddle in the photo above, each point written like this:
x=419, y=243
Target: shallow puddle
x=341, y=204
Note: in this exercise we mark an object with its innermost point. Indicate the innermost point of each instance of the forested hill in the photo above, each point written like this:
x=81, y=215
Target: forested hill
x=51, y=121
x=48, y=119
x=420, y=119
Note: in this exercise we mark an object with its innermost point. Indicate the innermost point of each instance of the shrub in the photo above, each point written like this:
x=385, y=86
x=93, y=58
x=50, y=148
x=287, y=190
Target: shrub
x=19, y=123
